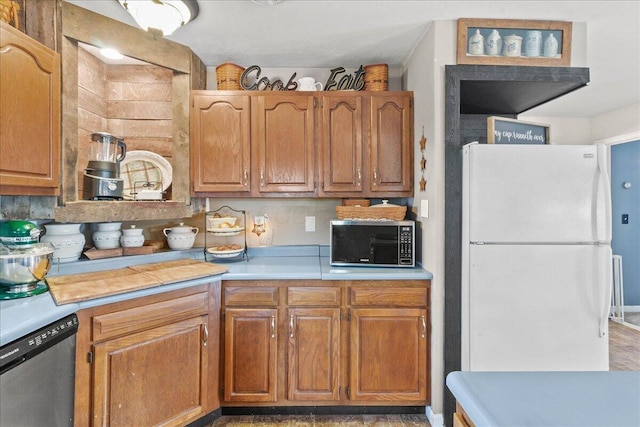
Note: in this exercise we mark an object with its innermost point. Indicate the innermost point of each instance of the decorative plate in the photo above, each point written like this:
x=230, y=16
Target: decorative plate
x=142, y=167
x=225, y=253
x=231, y=231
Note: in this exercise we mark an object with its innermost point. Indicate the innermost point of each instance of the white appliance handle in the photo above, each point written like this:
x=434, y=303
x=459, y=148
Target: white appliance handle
x=607, y=281
x=606, y=185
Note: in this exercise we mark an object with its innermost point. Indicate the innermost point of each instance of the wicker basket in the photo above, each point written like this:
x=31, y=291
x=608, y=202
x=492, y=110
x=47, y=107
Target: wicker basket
x=9, y=12
x=376, y=77
x=228, y=76
x=395, y=213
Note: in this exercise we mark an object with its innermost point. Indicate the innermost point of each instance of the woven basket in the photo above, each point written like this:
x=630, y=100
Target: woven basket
x=376, y=77
x=395, y=213
x=228, y=76
x=9, y=12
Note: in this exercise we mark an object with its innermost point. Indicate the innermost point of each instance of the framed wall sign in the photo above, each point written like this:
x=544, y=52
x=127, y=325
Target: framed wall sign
x=501, y=130
x=514, y=42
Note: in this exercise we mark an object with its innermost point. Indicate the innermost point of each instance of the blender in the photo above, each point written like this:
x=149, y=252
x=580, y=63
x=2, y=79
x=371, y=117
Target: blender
x=102, y=176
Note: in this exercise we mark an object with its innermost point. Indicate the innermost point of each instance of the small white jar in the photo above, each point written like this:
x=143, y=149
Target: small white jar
x=132, y=237
x=181, y=237
x=107, y=235
x=67, y=240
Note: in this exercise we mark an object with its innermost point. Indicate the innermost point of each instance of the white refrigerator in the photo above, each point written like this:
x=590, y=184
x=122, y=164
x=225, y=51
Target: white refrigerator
x=536, y=258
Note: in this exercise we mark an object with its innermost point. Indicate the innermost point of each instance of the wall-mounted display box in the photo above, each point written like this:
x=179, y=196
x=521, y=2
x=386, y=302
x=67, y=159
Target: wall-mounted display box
x=514, y=42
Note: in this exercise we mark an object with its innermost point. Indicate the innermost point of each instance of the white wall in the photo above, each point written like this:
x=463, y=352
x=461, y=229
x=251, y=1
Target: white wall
x=424, y=75
x=615, y=123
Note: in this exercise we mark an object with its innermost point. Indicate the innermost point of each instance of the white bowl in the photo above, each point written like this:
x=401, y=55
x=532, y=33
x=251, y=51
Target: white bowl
x=223, y=222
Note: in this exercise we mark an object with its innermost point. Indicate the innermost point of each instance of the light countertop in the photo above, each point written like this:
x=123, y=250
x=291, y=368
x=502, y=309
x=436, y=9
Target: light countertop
x=549, y=399
x=21, y=316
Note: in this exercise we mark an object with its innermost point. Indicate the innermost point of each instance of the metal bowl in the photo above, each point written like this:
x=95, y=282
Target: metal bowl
x=25, y=265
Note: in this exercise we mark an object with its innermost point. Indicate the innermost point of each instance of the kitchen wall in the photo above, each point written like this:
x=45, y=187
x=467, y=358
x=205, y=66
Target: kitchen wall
x=625, y=167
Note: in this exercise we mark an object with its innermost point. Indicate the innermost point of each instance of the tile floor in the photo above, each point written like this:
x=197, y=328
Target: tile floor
x=411, y=420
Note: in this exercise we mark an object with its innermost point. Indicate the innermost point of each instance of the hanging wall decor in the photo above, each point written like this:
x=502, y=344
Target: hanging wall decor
x=423, y=161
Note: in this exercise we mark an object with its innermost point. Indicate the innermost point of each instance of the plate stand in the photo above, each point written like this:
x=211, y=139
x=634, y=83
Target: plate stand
x=212, y=238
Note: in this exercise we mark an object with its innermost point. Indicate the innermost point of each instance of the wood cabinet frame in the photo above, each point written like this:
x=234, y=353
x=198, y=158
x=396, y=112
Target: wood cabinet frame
x=81, y=25
x=563, y=27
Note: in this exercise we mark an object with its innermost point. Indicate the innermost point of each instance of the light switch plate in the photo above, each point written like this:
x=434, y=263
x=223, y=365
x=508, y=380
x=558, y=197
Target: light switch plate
x=424, y=208
x=310, y=223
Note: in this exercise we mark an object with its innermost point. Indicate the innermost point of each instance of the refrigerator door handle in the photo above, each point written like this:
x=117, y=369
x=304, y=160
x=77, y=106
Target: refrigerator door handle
x=606, y=280
x=606, y=186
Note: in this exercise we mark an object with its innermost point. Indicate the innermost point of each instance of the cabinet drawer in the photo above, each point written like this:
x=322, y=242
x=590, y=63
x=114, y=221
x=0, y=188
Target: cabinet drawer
x=402, y=297
x=236, y=296
x=305, y=296
x=134, y=319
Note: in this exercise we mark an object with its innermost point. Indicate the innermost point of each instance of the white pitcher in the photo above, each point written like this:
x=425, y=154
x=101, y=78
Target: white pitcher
x=309, y=83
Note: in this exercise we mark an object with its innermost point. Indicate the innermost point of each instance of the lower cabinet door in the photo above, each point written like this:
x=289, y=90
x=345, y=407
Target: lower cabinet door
x=388, y=354
x=314, y=354
x=250, y=354
x=155, y=377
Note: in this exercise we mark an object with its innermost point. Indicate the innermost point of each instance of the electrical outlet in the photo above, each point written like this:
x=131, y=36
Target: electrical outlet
x=310, y=223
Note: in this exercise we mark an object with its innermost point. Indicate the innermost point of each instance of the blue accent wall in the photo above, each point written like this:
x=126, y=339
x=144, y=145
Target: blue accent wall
x=625, y=167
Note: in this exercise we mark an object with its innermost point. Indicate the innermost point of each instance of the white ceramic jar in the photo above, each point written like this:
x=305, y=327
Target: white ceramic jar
x=533, y=43
x=512, y=45
x=493, y=43
x=67, y=240
x=476, y=43
x=550, y=49
x=107, y=235
x=181, y=237
x=132, y=237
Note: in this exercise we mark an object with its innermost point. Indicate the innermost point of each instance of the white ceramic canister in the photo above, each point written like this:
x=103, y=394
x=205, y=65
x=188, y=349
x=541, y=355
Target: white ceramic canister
x=132, y=237
x=67, y=240
x=550, y=48
x=107, y=235
x=493, y=43
x=533, y=43
x=181, y=237
x=512, y=45
x=476, y=43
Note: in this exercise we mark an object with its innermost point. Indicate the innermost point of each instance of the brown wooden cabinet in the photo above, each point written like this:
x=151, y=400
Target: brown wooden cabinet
x=285, y=144
x=368, y=338
x=30, y=110
x=250, y=342
x=313, y=352
x=356, y=144
x=149, y=361
x=341, y=143
x=221, y=143
x=391, y=155
x=366, y=144
x=388, y=343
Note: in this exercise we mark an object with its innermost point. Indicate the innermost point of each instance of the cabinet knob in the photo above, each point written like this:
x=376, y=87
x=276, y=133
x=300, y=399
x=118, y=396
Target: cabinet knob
x=375, y=176
x=359, y=176
x=205, y=338
x=245, y=177
x=424, y=327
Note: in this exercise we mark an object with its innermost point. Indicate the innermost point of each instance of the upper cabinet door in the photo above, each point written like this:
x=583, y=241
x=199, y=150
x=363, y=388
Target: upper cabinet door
x=391, y=149
x=220, y=143
x=30, y=111
x=341, y=142
x=284, y=139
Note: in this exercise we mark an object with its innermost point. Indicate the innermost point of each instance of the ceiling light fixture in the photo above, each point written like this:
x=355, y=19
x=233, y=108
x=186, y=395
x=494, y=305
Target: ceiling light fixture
x=165, y=16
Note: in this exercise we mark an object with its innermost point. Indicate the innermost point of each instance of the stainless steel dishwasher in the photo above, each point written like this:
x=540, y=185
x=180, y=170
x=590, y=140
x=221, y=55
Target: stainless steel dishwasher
x=37, y=376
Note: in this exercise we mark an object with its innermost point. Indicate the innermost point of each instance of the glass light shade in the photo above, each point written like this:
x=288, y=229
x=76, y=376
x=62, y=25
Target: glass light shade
x=164, y=15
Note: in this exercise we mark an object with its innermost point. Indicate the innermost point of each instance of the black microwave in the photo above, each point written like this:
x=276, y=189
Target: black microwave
x=373, y=243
